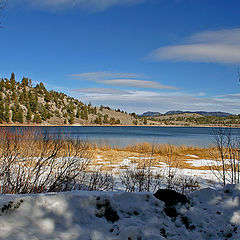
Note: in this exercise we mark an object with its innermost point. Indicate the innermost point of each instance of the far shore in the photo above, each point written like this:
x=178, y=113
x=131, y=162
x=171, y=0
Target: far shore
x=108, y=125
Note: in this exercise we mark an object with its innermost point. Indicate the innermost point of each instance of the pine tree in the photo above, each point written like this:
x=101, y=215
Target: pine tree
x=95, y=111
x=14, y=114
x=98, y=120
x=78, y=114
x=2, y=118
x=7, y=112
x=71, y=119
x=37, y=118
x=47, y=97
x=29, y=114
x=33, y=101
x=25, y=82
x=12, y=81
x=20, y=115
x=112, y=121
x=105, y=119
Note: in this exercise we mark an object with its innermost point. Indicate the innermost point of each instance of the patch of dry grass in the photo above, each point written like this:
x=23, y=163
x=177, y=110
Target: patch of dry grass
x=142, y=152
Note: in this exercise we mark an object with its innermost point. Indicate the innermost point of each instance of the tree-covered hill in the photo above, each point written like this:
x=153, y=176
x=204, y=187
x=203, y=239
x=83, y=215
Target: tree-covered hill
x=23, y=103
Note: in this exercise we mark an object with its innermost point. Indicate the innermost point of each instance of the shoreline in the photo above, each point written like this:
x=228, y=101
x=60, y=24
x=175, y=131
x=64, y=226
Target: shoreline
x=108, y=125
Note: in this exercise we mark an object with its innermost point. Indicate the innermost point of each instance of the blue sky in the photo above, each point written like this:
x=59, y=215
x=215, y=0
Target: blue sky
x=136, y=55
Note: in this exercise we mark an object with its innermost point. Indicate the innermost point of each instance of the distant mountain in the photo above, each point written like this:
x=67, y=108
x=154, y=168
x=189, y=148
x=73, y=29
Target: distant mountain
x=150, y=114
x=174, y=112
x=207, y=114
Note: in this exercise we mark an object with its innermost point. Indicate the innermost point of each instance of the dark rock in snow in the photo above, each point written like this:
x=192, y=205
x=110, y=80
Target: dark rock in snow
x=170, y=197
x=106, y=210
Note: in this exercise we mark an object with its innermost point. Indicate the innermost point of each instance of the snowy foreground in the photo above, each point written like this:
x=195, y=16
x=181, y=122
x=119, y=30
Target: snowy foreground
x=211, y=214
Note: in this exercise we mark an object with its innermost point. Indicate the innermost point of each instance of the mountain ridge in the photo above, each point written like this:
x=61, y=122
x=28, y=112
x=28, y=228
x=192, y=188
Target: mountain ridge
x=203, y=113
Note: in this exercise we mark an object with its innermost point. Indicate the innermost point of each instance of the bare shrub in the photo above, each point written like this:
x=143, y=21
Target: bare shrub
x=173, y=163
x=185, y=184
x=99, y=181
x=141, y=178
x=227, y=167
x=30, y=164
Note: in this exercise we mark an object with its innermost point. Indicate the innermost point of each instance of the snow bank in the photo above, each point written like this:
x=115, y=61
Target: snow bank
x=211, y=214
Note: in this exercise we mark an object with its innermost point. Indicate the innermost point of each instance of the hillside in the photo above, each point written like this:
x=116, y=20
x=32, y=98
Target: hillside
x=203, y=113
x=23, y=103
x=194, y=119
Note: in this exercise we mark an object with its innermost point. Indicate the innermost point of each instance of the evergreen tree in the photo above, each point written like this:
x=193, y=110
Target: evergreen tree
x=37, y=118
x=20, y=115
x=95, y=111
x=105, y=119
x=82, y=115
x=33, y=102
x=14, y=114
x=7, y=112
x=25, y=82
x=71, y=119
x=7, y=84
x=112, y=121
x=2, y=118
x=85, y=113
x=47, y=97
x=29, y=114
x=2, y=83
x=98, y=120
x=78, y=114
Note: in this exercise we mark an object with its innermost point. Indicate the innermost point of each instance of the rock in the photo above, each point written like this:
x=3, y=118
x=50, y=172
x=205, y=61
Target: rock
x=170, y=197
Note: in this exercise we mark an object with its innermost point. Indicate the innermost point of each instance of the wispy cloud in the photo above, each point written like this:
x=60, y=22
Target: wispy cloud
x=222, y=46
x=136, y=83
x=104, y=91
x=120, y=79
x=94, y=76
x=93, y=5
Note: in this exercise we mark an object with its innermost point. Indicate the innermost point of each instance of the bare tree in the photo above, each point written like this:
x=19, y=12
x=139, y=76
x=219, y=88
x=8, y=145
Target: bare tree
x=227, y=167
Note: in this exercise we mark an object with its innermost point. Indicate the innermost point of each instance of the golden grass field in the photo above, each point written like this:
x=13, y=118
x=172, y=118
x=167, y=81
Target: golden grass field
x=176, y=156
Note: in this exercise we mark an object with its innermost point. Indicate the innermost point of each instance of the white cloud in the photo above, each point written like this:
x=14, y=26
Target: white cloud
x=120, y=79
x=103, y=91
x=227, y=36
x=94, y=5
x=94, y=76
x=221, y=46
x=136, y=83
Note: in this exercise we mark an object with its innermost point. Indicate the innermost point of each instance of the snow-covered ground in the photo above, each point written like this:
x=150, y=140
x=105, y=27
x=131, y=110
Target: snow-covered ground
x=211, y=214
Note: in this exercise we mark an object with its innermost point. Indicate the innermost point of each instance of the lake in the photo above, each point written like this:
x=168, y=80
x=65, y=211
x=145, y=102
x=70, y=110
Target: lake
x=125, y=135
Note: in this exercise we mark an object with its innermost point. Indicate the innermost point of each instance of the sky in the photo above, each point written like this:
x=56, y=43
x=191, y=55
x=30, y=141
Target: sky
x=136, y=55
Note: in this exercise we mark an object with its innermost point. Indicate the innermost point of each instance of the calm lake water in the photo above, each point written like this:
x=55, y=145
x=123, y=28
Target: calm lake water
x=122, y=136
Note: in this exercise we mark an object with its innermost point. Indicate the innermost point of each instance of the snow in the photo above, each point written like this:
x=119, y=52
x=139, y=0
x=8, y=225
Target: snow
x=125, y=162
x=211, y=214
x=192, y=156
x=202, y=162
